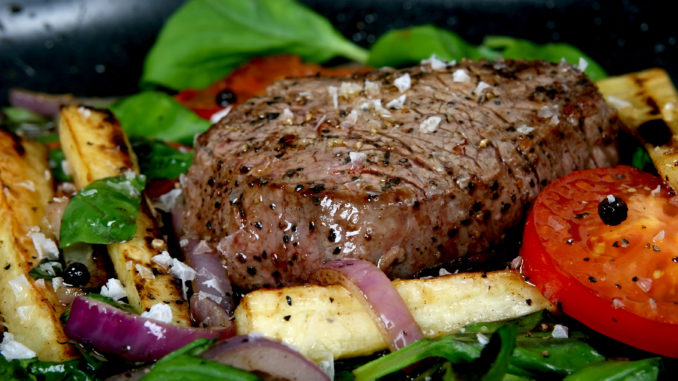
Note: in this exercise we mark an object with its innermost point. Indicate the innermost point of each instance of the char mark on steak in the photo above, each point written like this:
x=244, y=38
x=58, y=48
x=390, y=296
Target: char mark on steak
x=405, y=168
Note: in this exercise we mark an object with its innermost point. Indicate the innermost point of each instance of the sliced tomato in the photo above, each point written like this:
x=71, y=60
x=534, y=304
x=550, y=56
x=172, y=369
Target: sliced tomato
x=252, y=79
x=619, y=280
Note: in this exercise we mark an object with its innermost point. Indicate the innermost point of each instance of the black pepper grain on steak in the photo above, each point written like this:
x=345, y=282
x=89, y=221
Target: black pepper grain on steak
x=327, y=168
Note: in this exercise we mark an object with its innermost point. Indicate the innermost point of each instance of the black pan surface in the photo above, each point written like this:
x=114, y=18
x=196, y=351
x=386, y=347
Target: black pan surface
x=96, y=47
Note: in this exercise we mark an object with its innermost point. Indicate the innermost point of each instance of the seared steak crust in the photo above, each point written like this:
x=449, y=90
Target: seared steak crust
x=325, y=168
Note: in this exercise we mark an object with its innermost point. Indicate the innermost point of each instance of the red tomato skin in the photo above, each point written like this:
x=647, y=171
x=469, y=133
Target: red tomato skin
x=581, y=303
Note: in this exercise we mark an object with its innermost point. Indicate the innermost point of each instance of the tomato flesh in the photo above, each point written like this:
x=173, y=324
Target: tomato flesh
x=619, y=280
x=252, y=79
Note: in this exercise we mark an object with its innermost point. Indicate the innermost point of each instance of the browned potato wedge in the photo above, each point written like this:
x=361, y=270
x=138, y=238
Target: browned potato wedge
x=647, y=103
x=30, y=308
x=96, y=147
x=320, y=321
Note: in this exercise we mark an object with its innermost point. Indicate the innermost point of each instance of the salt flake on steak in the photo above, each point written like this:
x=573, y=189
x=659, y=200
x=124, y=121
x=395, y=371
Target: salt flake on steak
x=430, y=124
x=403, y=82
x=460, y=75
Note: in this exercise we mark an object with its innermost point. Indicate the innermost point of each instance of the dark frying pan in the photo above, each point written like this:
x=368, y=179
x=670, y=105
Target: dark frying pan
x=96, y=47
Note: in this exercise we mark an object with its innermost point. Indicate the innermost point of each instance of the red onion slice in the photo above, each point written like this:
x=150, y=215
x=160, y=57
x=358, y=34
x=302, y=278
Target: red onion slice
x=364, y=280
x=256, y=353
x=127, y=335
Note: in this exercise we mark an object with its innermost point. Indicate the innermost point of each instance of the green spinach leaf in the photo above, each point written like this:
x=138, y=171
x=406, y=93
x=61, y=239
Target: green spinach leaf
x=159, y=160
x=154, y=114
x=184, y=364
x=641, y=370
x=510, y=47
x=410, y=45
x=206, y=39
x=56, y=157
x=103, y=212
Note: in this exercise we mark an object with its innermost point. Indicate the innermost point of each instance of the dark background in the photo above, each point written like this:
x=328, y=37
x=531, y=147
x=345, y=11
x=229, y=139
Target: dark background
x=96, y=47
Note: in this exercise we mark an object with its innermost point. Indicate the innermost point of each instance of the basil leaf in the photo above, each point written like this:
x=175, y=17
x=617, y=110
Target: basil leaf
x=402, y=47
x=157, y=115
x=547, y=355
x=159, y=160
x=184, y=364
x=206, y=39
x=15, y=369
x=410, y=45
x=47, y=269
x=103, y=212
x=56, y=157
x=647, y=369
x=510, y=47
x=499, y=351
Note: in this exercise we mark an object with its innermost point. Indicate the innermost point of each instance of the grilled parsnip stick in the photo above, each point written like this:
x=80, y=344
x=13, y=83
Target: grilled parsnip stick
x=30, y=309
x=647, y=103
x=96, y=147
x=329, y=320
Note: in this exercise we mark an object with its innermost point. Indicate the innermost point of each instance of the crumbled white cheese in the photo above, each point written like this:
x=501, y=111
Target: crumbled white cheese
x=372, y=89
x=159, y=312
x=357, y=156
x=617, y=103
x=460, y=75
x=435, y=63
x=84, y=112
x=347, y=89
x=582, y=64
x=430, y=124
x=167, y=201
x=403, y=82
x=397, y=103
x=44, y=247
x=481, y=86
x=163, y=259
x=332, y=90
x=28, y=184
x=183, y=272
x=113, y=289
x=25, y=312
x=206, y=295
x=525, y=129
x=155, y=330
x=19, y=286
x=14, y=350
x=482, y=339
x=217, y=116
x=560, y=332
x=57, y=283
x=443, y=271
x=144, y=271
x=287, y=116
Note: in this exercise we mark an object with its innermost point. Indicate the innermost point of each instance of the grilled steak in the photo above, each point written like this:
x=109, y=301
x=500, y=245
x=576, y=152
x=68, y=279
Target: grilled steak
x=406, y=176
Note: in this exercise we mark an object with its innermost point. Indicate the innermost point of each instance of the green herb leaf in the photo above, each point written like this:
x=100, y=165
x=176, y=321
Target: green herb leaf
x=56, y=157
x=153, y=114
x=184, y=364
x=524, y=324
x=205, y=39
x=110, y=301
x=15, y=369
x=47, y=269
x=642, y=160
x=454, y=348
x=103, y=212
x=499, y=351
x=647, y=369
x=158, y=160
x=411, y=45
x=509, y=47
x=546, y=355
x=28, y=124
